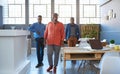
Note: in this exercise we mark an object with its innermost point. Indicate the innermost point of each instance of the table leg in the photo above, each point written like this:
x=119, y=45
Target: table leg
x=64, y=66
x=80, y=65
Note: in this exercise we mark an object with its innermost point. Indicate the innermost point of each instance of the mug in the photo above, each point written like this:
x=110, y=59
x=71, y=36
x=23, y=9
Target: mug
x=116, y=47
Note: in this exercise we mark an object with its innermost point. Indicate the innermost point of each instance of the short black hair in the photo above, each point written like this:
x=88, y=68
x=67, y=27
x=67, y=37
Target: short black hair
x=40, y=16
x=55, y=14
x=72, y=18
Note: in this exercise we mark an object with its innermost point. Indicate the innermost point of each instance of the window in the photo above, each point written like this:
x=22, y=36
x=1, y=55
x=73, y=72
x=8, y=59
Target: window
x=65, y=9
x=14, y=12
x=89, y=12
x=39, y=7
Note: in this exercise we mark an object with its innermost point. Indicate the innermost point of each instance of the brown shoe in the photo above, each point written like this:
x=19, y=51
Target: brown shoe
x=54, y=70
x=50, y=68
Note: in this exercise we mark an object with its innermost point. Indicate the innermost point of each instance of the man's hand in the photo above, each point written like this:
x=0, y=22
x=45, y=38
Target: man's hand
x=38, y=32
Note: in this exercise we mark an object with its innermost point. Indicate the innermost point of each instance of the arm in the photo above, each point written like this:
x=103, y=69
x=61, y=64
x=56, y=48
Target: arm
x=44, y=27
x=62, y=35
x=66, y=30
x=46, y=33
x=32, y=28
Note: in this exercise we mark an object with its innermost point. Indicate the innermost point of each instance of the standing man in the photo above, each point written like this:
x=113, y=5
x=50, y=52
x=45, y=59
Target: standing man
x=38, y=29
x=72, y=33
x=54, y=37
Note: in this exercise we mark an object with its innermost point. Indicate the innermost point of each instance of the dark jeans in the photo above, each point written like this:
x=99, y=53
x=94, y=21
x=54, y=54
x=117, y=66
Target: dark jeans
x=40, y=49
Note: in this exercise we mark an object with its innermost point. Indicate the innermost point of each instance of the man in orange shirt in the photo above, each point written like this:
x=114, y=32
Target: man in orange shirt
x=54, y=38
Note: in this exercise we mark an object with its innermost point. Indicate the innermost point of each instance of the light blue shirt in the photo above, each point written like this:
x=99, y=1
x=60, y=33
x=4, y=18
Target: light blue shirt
x=37, y=27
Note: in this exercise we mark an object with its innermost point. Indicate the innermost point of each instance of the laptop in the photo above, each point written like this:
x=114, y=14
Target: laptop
x=95, y=44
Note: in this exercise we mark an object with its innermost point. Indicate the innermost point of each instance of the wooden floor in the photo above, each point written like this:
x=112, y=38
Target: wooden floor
x=70, y=68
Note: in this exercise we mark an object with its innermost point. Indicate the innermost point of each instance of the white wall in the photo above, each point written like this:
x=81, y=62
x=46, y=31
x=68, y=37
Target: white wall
x=111, y=28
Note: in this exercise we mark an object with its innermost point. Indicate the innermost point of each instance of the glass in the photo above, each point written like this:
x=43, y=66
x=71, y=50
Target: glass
x=84, y=21
x=89, y=11
x=40, y=7
x=59, y=1
x=11, y=20
x=19, y=20
x=19, y=1
x=65, y=9
x=45, y=1
x=23, y=10
x=98, y=11
x=81, y=10
x=15, y=11
x=95, y=20
x=56, y=8
x=11, y=1
x=94, y=1
x=40, y=10
x=5, y=11
x=5, y=21
x=73, y=11
x=62, y=20
x=84, y=1
x=31, y=11
x=70, y=1
x=34, y=1
x=48, y=11
x=47, y=20
x=32, y=20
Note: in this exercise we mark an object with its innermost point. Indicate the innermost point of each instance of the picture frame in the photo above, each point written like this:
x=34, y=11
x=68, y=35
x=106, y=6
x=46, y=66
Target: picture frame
x=103, y=2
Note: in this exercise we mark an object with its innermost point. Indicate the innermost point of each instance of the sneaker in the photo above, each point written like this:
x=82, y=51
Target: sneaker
x=54, y=70
x=49, y=69
x=38, y=65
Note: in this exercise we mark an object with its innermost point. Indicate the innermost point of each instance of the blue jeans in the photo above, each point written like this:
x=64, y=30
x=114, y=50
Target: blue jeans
x=40, y=49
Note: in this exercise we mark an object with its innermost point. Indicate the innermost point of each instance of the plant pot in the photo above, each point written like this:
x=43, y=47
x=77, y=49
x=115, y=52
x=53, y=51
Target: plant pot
x=111, y=45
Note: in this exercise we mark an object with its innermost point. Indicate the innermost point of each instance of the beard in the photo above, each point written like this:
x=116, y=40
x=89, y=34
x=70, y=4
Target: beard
x=54, y=20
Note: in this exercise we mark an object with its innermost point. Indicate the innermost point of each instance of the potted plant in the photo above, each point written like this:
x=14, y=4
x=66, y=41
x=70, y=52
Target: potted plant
x=112, y=43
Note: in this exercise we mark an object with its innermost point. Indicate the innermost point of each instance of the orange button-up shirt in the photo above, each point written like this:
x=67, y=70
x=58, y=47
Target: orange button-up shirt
x=54, y=33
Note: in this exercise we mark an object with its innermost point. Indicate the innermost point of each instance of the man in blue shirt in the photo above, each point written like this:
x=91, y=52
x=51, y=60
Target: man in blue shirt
x=72, y=34
x=38, y=29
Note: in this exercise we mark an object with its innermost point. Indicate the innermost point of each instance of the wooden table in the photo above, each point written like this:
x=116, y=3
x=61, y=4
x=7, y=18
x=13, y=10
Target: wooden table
x=77, y=53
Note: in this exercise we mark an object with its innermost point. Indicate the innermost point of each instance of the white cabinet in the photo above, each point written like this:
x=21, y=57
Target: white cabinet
x=13, y=52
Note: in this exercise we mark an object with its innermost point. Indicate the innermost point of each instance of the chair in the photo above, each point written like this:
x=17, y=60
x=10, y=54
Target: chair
x=110, y=65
